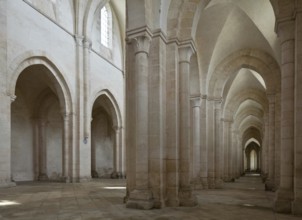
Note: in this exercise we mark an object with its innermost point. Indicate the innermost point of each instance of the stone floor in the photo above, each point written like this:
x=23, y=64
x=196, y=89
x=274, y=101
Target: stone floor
x=103, y=199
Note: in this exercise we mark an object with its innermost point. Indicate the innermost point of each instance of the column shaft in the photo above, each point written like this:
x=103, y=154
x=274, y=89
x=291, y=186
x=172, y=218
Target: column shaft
x=185, y=191
x=196, y=140
x=270, y=182
x=42, y=150
x=297, y=203
x=218, y=151
x=284, y=194
x=141, y=196
x=203, y=150
x=66, y=146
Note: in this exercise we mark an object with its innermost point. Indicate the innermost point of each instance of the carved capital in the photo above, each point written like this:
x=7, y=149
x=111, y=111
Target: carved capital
x=227, y=120
x=204, y=96
x=79, y=40
x=117, y=128
x=87, y=43
x=286, y=30
x=196, y=101
x=66, y=116
x=141, y=44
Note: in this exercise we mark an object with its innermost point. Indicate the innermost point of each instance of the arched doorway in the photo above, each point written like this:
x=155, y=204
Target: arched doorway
x=252, y=158
x=106, y=142
x=39, y=142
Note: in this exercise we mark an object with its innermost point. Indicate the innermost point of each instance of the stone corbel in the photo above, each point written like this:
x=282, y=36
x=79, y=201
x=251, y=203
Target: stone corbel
x=185, y=52
x=12, y=98
x=87, y=43
x=79, y=40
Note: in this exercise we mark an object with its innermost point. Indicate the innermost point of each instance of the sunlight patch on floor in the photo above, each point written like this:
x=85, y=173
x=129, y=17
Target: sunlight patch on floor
x=114, y=187
x=8, y=203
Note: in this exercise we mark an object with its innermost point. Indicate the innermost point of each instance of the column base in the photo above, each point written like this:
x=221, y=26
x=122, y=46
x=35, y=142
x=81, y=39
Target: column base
x=43, y=177
x=84, y=179
x=211, y=183
x=283, y=201
x=270, y=185
x=172, y=202
x=65, y=179
x=204, y=182
x=186, y=198
x=197, y=184
x=228, y=179
x=297, y=207
x=7, y=184
x=140, y=199
x=218, y=183
x=264, y=177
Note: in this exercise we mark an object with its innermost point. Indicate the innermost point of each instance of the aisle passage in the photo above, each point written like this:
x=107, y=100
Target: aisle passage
x=103, y=199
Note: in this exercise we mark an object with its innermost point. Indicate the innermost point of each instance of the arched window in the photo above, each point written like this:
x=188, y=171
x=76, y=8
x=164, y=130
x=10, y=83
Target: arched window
x=106, y=26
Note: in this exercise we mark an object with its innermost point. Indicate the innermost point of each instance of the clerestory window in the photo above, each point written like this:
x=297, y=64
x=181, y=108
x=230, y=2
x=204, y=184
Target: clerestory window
x=106, y=26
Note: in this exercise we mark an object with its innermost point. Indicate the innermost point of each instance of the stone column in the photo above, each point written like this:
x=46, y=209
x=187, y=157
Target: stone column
x=196, y=101
x=141, y=197
x=259, y=159
x=218, y=149
x=117, y=153
x=238, y=158
x=185, y=189
x=66, y=146
x=233, y=153
x=5, y=135
x=203, y=150
x=226, y=147
x=86, y=89
x=210, y=141
x=230, y=152
x=94, y=173
x=42, y=150
x=265, y=146
x=244, y=160
x=284, y=195
x=277, y=140
x=5, y=103
x=80, y=171
x=297, y=203
x=36, y=146
x=270, y=182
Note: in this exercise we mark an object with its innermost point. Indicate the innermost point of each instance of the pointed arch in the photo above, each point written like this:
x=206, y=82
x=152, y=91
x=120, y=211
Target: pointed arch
x=56, y=74
x=257, y=60
x=113, y=106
